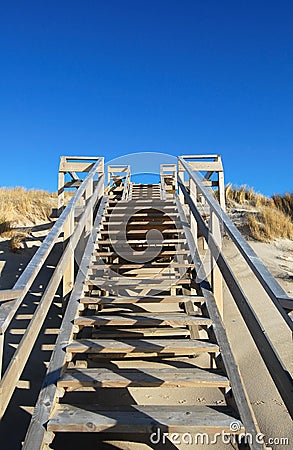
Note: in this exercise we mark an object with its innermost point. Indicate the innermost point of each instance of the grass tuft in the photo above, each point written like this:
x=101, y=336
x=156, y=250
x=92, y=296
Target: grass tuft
x=269, y=224
x=273, y=216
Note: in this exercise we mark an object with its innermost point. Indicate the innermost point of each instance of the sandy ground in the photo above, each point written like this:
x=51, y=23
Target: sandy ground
x=271, y=414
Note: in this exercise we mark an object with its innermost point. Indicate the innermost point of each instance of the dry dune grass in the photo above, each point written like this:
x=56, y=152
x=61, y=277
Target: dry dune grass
x=21, y=208
x=284, y=203
x=245, y=195
x=273, y=218
x=269, y=224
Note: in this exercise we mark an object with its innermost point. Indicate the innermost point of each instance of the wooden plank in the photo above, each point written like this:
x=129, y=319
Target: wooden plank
x=9, y=294
x=148, y=214
x=121, y=234
x=153, y=265
x=148, y=242
x=149, y=332
x=140, y=299
x=144, y=284
x=138, y=253
x=142, y=201
x=76, y=166
x=158, y=346
x=145, y=223
x=214, y=166
x=128, y=207
x=159, y=319
x=141, y=419
x=122, y=378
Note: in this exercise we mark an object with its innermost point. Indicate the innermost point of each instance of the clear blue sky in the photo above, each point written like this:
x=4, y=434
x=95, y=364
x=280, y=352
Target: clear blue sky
x=175, y=76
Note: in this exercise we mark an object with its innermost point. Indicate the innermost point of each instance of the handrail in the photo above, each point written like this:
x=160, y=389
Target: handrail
x=280, y=375
x=271, y=286
x=18, y=361
x=27, y=277
x=72, y=231
x=9, y=294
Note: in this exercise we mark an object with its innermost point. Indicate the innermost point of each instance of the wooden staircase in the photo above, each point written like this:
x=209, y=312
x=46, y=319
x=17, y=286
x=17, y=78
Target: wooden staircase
x=138, y=322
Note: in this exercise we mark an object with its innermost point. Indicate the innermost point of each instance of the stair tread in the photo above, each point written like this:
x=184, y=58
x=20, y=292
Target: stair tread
x=141, y=345
x=134, y=281
x=138, y=253
x=140, y=299
x=140, y=419
x=130, y=333
x=120, y=234
x=148, y=265
x=180, y=319
x=167, y=377
x=145, y=241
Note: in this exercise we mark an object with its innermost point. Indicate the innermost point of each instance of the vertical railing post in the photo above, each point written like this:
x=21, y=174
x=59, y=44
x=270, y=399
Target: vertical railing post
x=216, y=276
x=193, y=195
x=222, y=199
x=88, y=193
x=61, y=182
x=68, y=276
x=181, y=176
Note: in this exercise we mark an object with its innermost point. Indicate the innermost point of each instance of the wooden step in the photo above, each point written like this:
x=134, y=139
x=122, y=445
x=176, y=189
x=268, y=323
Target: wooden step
x=138, y=253
x=134, y=207
x=148, y=214
x=135, y=281
x=147, y=224
x=144, y=377
x=144, y=242
x=143, y=319
x=121, y=235
x=152, y=346
x=139, y=419
x=109, y=300
x=131, y=333
x=143, y=201
x=169, y=265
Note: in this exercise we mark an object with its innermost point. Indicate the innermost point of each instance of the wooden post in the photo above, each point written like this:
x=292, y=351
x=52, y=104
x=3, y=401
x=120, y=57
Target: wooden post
x=88, y=193
x=216, y=276
x=193, y=223
x=61, y=182
x=181, y=176
x=222, y=200
x=68, y=277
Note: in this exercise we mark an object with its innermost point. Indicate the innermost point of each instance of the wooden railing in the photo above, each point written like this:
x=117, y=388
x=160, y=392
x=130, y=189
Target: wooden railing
x=73, y=229
x=190, y=191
